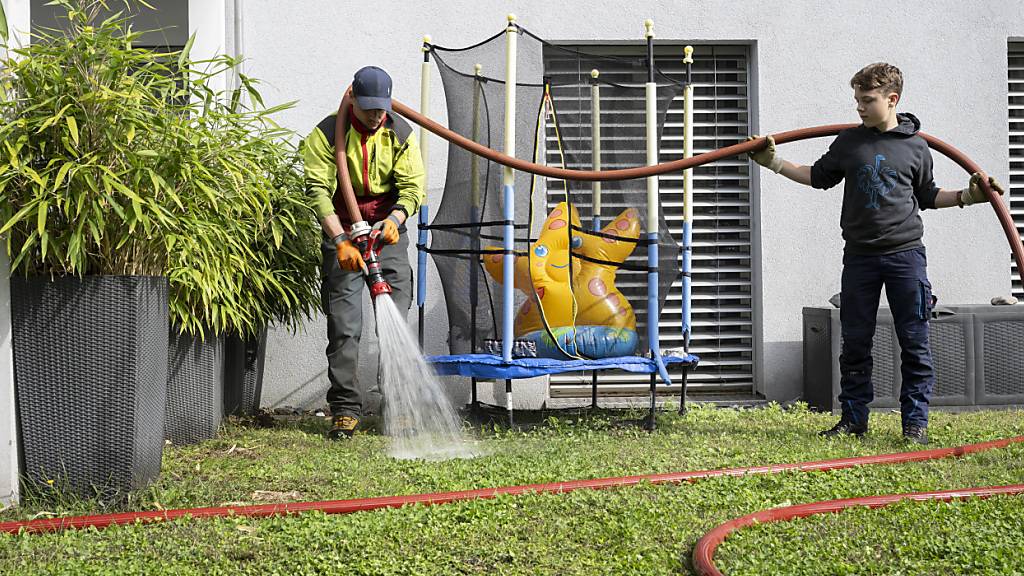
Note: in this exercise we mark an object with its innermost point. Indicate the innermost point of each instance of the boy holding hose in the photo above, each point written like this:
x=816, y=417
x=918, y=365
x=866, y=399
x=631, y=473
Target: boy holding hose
x=887, y=168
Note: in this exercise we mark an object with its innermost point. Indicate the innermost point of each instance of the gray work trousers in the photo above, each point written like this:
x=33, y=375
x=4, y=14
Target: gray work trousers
x=341, y=297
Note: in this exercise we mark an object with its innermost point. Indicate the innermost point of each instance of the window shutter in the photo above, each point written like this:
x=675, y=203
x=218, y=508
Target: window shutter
x=1015, y=91
x=722, y=292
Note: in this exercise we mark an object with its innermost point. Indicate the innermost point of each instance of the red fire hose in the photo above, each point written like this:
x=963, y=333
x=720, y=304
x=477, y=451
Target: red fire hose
x=703, y=553
x=1005, y=220
x=364, y=504
x=348, y=195
x=368, y=241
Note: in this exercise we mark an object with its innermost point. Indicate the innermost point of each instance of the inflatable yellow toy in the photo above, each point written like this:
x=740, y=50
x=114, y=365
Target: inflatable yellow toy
x=604, y=323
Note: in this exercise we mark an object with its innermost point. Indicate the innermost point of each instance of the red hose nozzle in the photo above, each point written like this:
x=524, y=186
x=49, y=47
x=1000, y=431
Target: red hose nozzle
x=378, y=285
x=370, y=245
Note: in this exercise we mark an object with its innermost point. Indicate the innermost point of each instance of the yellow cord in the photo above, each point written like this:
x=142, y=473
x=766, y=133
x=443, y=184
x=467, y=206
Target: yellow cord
x=565, y=187
x=529, y=253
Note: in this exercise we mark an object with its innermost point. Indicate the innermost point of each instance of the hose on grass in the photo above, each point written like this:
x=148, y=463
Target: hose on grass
x=100, y=521
x=703, y=555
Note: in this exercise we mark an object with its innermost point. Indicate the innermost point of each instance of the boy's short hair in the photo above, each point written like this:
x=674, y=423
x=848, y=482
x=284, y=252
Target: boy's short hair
x=879, y=75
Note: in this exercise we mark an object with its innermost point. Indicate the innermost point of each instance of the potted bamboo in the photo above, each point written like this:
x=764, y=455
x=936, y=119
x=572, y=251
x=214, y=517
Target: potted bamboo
x=253, y=260
x=132, y=196
x=84, y=200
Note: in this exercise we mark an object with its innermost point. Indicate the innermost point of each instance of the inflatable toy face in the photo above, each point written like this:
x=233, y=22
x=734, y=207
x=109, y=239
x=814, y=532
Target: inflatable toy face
x=549, y=255
x=586, y=313
x=544, y=274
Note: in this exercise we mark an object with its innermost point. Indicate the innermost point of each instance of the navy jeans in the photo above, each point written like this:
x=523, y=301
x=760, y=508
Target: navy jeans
x=904, y=275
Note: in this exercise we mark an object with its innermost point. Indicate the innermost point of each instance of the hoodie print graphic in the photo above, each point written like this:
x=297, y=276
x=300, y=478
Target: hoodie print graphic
x=876, y=181
x=887, y=181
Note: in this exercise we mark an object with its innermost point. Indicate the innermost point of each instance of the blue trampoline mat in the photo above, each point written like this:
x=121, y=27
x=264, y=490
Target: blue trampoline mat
x=491, y=366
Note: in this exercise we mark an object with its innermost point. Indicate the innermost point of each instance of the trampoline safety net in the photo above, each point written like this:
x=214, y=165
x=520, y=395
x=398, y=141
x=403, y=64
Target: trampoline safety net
x=468, y=223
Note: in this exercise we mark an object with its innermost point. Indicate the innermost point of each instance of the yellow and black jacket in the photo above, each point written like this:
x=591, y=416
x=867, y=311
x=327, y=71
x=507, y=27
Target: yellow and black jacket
x=384, y=164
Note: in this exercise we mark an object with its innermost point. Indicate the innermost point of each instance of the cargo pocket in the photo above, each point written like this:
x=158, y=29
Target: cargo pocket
x=925, y=301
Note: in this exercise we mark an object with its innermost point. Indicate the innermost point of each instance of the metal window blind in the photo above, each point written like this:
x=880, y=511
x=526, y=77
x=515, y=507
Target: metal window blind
x=722, y=292
x=1015, y=103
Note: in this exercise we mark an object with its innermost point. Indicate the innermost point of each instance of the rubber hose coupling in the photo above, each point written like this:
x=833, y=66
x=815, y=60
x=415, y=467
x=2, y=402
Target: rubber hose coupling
x=370, y=245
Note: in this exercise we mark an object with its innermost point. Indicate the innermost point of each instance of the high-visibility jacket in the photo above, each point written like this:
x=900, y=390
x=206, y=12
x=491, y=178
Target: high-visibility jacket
x=385, y=167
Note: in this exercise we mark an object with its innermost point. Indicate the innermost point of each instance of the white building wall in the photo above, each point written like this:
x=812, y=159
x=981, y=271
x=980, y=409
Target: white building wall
x=208, y=21
x=952, y=53
x=8, y=423
x=17, y=12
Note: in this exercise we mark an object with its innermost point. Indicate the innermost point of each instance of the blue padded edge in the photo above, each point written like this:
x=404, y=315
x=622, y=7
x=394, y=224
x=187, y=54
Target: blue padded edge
x=491, y=366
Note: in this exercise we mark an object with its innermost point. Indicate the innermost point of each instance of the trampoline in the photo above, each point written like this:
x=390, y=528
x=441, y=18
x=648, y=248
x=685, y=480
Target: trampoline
x=497, y=93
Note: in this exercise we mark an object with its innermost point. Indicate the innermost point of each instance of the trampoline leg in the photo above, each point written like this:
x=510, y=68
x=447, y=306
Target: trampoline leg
x=593, y=391
x=682, y=390
x=649, y=423
x=508, y=400
x=474, y=403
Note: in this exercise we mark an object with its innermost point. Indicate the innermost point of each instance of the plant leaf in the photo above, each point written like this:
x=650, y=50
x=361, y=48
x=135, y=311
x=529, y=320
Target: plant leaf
x=73, y=127
x=61, y=174
x=28, y=207
x=3, y=23
x=44, y=206
x=34, y=176
x=184, y=56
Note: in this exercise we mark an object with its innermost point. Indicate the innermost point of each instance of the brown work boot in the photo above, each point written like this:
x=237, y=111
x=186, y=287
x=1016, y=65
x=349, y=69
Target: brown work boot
x=343, y=427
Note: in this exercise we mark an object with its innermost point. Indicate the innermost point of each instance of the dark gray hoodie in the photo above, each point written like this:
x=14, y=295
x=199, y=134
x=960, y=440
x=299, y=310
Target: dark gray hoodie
x=888, y=181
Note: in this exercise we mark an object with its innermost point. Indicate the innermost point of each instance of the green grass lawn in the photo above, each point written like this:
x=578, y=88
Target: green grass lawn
x=638, y=530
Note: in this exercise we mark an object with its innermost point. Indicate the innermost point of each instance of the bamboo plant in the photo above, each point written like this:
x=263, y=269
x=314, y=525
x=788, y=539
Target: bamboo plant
x=122, y=160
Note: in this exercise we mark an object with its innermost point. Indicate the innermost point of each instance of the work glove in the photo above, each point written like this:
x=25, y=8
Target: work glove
x=349, y=257
x=388, y=230
x=974, y=194
x=766, y=156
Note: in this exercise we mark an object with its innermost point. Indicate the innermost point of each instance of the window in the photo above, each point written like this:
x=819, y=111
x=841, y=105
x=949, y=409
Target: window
x=1015, y=92
x=164, y=26
x=722, y=290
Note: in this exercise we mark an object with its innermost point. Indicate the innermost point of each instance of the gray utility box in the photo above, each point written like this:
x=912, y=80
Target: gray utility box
x=975, y=351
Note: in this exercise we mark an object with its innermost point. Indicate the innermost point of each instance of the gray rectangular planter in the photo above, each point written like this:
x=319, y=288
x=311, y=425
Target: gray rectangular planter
x=998, y=335
x=195, y=386
x=243, y=373
x=90, y=367
x=974, y=351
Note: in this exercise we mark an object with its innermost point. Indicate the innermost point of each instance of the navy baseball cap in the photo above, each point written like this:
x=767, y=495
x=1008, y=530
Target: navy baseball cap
x=372, y=88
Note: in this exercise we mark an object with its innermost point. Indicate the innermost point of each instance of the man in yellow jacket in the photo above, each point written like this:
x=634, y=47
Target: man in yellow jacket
x=387, y=176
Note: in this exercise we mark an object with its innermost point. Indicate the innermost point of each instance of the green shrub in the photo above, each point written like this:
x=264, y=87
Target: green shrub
x=123, y=160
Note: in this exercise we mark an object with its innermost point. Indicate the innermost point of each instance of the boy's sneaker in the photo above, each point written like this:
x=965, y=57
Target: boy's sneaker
x=343, y=427
x=845, y=427
x=916, y=434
